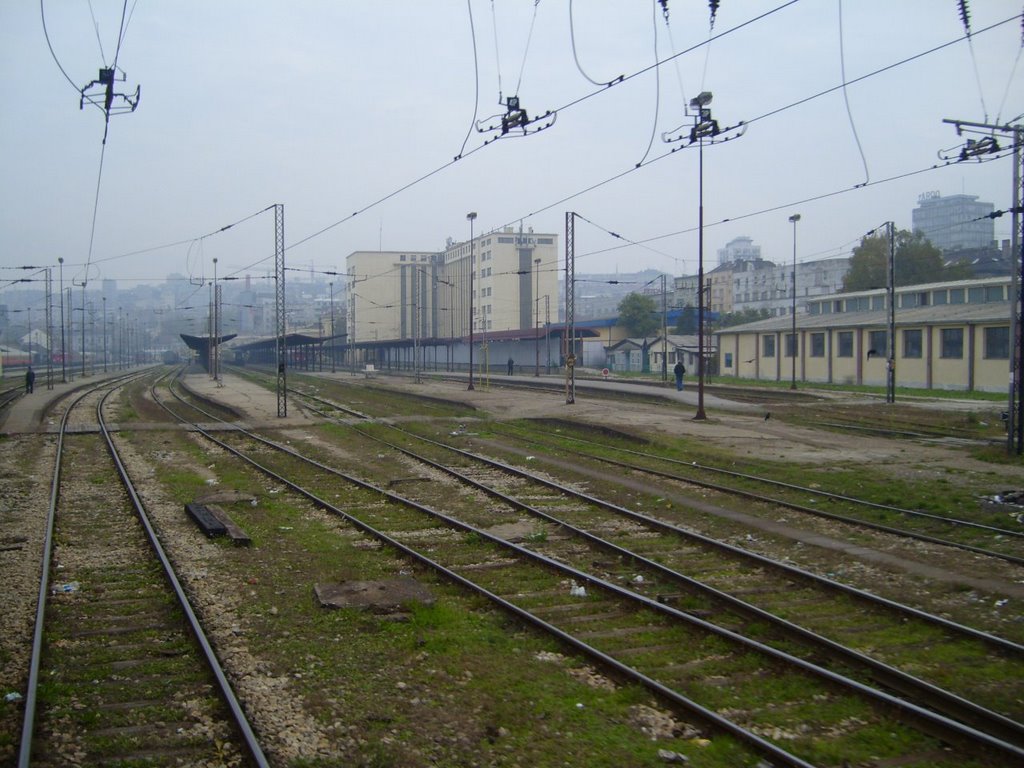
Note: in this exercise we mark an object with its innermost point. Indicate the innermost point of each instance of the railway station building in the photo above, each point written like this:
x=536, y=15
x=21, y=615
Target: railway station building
x=953, y=336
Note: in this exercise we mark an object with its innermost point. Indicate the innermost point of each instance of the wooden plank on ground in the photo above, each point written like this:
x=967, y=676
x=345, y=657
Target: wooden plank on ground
x=205, y=519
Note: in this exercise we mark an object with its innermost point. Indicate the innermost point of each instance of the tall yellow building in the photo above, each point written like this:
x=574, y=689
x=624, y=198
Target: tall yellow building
x=399, y=295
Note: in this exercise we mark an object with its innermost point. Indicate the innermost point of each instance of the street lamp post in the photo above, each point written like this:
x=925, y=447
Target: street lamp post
x=472, y=267
x=536, y=317
x=793, y=350
x=104, y=334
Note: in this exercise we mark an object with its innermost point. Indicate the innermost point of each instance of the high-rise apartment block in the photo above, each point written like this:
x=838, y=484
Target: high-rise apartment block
x=954, y=222
x=426, y=295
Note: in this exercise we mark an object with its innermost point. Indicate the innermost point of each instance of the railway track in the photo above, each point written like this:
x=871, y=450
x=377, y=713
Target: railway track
x=634, y=618
x=8, y=397
x=861, y=512
x=121, y=671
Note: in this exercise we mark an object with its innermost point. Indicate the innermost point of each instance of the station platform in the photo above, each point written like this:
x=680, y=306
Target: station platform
x=585, y=385
x=26, y=414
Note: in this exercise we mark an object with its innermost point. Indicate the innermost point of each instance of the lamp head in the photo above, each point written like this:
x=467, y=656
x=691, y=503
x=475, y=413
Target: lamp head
x=471, y=215
x=702, y=99
x=795, y=218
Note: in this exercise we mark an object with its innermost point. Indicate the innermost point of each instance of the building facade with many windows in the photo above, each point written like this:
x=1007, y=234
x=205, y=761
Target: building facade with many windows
x=954, y=222
x=408, y=295
x=948, y=336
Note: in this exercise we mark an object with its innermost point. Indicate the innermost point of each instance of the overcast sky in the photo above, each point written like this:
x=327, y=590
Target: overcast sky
x=330, y=106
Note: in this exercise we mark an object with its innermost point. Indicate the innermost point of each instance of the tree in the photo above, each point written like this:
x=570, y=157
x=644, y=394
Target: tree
x=639, y=315
x=916, y=261
x=686, y=325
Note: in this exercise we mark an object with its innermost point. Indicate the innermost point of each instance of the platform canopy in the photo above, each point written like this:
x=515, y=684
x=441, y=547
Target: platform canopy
x=201, y=344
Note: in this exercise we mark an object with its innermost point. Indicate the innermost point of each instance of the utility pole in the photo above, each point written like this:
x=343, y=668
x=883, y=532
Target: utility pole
x=975, y=149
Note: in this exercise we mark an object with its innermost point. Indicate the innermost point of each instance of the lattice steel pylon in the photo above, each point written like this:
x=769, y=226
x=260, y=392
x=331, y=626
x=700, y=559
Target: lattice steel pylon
x=1015, y=439
x=282, y=342
x=569, y=343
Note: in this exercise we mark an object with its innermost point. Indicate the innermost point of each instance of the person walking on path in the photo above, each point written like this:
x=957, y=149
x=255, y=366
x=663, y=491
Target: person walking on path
x=511, y=366
x=30, y=380
x=679, y=370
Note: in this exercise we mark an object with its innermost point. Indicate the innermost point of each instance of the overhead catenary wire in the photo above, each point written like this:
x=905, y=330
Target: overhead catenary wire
x=96, y=27
x=526, y=51
x=570, y=104
x=1013, y=71
x=454, y=160
x=772, y=113
x=121, y=30
x=618, y=236
x=713, y=5
x=103, y=148
x=497, y=53
x=95, y=207
x=846, y=97
x=575, y=54
x=611, y=179
x=783, y=206
x=965, y=18
x=176, y=243
x=476, y=81
x=675, y=62
x=657, y=83
x=53, y=54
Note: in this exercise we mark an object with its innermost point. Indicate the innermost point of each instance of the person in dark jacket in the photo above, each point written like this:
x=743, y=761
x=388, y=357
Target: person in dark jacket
x=679, y=370
x=30, y=380
x=511, y=366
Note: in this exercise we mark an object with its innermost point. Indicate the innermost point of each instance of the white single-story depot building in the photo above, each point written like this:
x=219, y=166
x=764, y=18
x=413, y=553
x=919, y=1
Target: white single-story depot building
x=952, y=335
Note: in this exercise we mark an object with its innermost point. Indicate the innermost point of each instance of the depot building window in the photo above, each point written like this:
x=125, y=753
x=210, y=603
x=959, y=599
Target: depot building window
x=912, y=343
x=952, y=343
x=845, y=341
x=997, y=343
